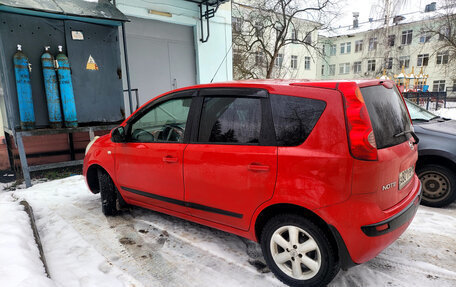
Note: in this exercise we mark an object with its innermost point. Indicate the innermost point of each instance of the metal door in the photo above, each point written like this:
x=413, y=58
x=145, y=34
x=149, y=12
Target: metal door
x=161, y=57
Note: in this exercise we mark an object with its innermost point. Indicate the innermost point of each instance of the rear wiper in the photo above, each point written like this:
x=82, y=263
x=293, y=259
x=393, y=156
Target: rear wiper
x=415, y=137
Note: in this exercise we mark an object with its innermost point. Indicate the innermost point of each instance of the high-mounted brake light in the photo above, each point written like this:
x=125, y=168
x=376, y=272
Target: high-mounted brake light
x=360, y=133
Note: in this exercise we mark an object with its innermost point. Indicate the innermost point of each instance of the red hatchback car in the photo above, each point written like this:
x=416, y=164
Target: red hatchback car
x=320, y=173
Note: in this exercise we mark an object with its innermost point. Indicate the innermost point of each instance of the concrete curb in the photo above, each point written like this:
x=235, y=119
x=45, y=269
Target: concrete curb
x=29, y=211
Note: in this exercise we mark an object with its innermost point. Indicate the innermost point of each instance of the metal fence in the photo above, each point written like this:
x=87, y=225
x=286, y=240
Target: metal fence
x=451, y=93
x=427, y=99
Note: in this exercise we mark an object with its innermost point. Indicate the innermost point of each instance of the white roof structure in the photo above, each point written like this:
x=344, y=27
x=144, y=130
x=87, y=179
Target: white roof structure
x=374, y=24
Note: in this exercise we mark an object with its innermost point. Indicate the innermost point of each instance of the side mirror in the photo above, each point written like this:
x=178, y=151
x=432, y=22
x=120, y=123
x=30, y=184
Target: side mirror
x=118, y=135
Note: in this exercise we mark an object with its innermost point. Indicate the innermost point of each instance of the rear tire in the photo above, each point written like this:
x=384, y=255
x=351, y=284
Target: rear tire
x=108, y=193
x=438, y=184
x=298, y=252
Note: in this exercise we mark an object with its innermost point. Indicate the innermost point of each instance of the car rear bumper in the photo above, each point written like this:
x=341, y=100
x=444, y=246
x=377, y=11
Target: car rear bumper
x=364, y=230
x=394, y=222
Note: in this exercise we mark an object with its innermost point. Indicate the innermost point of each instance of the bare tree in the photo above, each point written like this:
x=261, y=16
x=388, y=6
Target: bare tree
x=263, y=28
x=443, y=26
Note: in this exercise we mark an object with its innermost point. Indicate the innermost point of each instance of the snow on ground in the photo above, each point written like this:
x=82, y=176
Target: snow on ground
x=146, y=248
x=446, y=113
x=20, y=263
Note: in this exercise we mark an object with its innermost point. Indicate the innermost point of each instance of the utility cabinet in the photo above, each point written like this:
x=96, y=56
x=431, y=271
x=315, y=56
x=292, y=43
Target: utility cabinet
x=97, y=91
x=88, y=32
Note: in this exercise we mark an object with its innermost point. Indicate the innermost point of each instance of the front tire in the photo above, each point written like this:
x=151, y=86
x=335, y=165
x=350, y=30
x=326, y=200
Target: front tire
x=438, y=184
x=298, y=252
x=108, y=193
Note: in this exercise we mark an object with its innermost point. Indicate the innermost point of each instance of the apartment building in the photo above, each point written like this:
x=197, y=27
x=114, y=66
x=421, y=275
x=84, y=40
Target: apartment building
x=361, y=50
x=365, y=50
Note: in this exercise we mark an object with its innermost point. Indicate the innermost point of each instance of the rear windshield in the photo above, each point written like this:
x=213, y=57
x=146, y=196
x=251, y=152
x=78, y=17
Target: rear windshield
x=387, y=114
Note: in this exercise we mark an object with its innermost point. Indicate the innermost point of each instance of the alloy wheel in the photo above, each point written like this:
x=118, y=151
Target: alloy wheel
x=295, y=252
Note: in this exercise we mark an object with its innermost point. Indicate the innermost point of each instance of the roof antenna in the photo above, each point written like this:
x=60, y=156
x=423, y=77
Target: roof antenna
x=223, y=60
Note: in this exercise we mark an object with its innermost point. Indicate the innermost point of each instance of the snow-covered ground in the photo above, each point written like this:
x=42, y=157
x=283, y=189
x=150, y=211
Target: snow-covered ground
x=446, y=113
x=20, y=263
x=146, y=248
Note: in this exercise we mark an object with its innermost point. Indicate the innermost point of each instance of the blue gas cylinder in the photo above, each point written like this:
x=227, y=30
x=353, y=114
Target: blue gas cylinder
x=66, y=90
x=24, y=89
x=52, y=89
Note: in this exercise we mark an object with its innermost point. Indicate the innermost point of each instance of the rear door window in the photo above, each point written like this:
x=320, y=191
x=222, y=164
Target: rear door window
x=230, y=120
x=294, y=118
x=388, y=115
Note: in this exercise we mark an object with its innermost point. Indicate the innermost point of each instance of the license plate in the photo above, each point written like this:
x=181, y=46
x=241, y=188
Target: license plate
x=405, y=176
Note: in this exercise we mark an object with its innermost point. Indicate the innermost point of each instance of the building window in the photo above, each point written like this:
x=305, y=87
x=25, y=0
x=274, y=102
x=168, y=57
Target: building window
x=444, y=33
x=357, y=67
x=278, y=34
x=259, y=60
x=345, y=48
x=442, y=57
x=373, y=44
x=344, y=68
x=237, y=55
x=407, y=37
x=404, y=61
x=237, y=24
x=322, y=70
x=307, y=63
x=332, y=50
x=425, y=37
x=391, y=40
x=294, y=62
x=438, y=86
x=258, y=30
x=371, y=65
x=423, y=60
x=389, y=63
x=279, y=60
x=332, y=70
x=294, y=35
x=358, y=46
x=308, y=38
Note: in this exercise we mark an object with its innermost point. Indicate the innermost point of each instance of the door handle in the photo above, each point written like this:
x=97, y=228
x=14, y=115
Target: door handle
x=170, y=159
x=255, y=166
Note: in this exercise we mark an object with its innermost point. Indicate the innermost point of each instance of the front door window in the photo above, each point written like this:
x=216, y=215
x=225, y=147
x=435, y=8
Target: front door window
x=163, y=123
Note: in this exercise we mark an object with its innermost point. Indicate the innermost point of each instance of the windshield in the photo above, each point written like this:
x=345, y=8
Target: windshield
x=418, y=113
x=388, y=115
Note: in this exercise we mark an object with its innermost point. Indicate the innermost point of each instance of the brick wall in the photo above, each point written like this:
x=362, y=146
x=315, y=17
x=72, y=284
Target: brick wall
x=50, y=148
x=4, y=160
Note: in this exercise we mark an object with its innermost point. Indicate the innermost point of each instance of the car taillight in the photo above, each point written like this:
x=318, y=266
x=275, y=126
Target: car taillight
x=360, y=134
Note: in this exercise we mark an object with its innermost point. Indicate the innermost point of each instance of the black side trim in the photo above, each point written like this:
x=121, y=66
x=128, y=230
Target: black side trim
x=395, y=221
x=183, y=203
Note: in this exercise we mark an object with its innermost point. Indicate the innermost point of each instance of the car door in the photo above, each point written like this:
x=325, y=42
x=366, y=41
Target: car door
x=149, y=164
x=230, y=165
